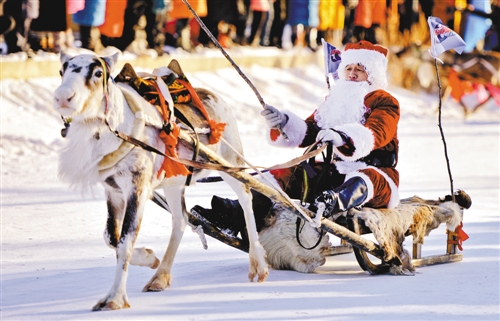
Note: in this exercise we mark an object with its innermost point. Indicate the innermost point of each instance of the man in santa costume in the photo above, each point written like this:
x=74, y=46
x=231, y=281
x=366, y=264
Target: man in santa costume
x=359, y=120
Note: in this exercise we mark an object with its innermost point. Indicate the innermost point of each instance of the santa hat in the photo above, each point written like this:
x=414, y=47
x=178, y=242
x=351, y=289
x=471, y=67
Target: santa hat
x=372, y=57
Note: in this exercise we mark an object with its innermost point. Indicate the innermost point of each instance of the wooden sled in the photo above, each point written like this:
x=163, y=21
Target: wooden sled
x=348, y=228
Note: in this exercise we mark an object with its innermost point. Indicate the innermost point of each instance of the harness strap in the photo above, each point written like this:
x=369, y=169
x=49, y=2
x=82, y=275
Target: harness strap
x=107, y=74
x=211, y=166
x=164, y=110
x=186, y=121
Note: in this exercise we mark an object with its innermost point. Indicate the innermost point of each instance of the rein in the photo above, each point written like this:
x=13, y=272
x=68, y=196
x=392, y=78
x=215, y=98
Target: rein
x=212, y=166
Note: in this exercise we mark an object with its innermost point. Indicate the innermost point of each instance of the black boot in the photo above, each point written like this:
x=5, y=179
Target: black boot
x=351, y=193
x=225, y=214
x=228, y=214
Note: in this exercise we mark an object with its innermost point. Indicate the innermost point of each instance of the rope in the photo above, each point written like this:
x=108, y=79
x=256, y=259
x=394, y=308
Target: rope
x=298, y=229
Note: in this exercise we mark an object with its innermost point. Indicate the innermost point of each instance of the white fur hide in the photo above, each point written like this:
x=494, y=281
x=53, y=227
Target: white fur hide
x=283, y=250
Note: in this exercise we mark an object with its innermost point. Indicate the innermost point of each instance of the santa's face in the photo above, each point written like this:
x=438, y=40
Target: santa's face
x=355, y=72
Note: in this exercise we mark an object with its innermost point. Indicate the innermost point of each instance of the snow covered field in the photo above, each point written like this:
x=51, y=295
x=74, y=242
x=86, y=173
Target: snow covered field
x=55, y=265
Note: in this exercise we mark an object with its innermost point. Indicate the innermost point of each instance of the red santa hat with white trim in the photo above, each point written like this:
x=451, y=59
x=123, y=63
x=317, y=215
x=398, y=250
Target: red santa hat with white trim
x=372, y=57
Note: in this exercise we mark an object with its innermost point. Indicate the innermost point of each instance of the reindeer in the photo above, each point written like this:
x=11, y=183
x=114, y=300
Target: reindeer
x=95, y=155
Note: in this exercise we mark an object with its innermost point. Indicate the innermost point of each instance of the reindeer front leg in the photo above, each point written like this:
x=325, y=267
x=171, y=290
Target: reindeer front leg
x=124, y=220
x=162, y=278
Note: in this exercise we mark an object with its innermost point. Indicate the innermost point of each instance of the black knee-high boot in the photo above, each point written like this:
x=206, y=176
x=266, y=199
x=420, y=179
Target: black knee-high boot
x=351, y=193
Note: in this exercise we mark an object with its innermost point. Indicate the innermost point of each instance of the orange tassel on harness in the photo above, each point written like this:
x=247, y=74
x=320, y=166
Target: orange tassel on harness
x=171, y=167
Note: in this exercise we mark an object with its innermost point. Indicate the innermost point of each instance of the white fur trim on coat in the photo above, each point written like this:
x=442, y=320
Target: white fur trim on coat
x=361, y=137
x=349, y=167
x=295, y=129
x=394, y=189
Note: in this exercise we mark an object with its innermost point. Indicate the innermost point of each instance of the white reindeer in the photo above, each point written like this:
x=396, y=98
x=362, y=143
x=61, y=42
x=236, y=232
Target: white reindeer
x=94, y=154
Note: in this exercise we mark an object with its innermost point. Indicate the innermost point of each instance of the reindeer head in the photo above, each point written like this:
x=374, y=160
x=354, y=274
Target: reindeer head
x=84, y=81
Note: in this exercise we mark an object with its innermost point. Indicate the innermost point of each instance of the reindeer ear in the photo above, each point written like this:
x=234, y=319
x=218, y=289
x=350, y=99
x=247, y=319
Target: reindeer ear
x=64, y=57
x=176, y=67
x=111, y=60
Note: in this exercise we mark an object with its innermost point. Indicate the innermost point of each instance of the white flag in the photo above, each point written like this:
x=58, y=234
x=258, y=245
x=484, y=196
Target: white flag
x=332, y=58
x=443, y=38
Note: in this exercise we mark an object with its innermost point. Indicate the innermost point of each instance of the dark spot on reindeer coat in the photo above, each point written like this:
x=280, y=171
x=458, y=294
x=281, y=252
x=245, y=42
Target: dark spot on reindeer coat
x=111, y=225
x=130, y=223
x=130, y=216
x=111, y=182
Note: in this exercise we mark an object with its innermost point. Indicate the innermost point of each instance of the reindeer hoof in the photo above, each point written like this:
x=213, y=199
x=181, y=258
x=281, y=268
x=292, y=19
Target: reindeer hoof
x=155, y=287
x=158, y=283
x=107, y=306
x=262, y=276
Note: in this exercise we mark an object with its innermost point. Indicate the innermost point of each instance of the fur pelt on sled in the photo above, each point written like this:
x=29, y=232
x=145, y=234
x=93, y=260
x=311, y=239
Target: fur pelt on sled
x=413, y=216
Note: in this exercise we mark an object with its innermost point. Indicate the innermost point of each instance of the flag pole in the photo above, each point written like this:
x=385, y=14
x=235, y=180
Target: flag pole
x=443, y=39
x=224, y=53
x=441, y=130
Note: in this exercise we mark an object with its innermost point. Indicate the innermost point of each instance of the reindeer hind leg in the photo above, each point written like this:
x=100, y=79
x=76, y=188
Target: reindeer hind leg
x=258, y=266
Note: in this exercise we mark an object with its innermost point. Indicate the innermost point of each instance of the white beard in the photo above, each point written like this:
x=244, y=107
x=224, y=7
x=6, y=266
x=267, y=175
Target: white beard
x=344, y=104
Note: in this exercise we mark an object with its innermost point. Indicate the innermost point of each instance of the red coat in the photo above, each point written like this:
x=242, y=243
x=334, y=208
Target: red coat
x=376, y=138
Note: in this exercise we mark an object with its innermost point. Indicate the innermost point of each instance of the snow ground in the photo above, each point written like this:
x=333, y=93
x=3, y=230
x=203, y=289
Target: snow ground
x=55, y=265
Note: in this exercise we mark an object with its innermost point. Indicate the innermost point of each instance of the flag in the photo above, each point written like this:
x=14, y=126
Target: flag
x=443, y=38
x=332, y=59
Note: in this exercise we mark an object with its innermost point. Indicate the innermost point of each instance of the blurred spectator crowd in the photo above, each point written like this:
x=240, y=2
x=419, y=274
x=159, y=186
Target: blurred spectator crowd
x=154, y=26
